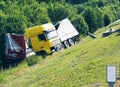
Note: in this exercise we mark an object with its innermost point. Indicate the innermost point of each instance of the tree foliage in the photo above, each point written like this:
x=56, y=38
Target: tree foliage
x=76, y=1
x=80, y=24
x=91, y=19
x=107, y=19
x=58, y=11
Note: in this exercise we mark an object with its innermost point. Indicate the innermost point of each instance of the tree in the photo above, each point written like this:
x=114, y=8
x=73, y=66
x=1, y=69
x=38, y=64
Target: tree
x=58, y=11
x=2, y=38
x=76, y=1
x=50, y=1
x=80, y=8
x=99, y=14
x=36, y=14
x=100, y=3
x=91, y=19
x=80, y=24
x=2, y=4
x=108, y=16
x=107, y=20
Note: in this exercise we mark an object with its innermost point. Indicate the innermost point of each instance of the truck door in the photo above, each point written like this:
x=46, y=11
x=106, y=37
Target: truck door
x=43, y=43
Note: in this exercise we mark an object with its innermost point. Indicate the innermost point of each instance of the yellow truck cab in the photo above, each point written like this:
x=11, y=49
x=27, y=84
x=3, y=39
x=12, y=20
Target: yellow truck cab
x=43, y=38
x=48, y=38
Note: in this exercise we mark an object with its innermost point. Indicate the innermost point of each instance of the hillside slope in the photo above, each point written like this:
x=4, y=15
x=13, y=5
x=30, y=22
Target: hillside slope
x=83, y=65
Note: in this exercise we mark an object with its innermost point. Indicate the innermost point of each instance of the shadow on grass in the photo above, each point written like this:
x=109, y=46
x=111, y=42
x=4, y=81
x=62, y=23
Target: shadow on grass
x=118, y=78
x=118, y=34
x=10, y=63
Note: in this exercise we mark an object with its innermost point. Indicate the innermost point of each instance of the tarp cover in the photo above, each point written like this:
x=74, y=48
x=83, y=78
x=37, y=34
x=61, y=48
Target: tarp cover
x=11, y=44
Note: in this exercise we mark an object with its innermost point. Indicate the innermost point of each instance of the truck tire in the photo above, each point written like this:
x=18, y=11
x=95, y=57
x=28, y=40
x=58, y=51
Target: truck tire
x=62, y=46
x=66, y=44
x=57, y=48
x=71, y=42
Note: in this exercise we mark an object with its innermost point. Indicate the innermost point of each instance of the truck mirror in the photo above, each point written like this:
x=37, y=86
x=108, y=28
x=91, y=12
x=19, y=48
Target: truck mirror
x=57, y=25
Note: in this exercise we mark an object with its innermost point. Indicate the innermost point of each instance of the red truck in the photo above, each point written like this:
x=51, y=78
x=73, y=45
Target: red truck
x=16, y=46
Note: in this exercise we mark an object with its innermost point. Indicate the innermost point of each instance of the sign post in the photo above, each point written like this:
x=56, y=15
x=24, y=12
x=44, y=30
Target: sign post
x=111, y=75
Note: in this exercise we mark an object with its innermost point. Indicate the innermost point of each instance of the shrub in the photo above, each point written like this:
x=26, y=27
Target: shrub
x=32, y=60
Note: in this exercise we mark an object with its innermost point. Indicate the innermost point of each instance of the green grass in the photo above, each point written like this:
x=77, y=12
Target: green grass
x=82, y=65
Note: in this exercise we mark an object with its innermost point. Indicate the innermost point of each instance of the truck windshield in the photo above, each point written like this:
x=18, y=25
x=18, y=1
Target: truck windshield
x=51, y=34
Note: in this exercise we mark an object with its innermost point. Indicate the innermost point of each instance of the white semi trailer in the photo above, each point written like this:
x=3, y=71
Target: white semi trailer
x=67, y=33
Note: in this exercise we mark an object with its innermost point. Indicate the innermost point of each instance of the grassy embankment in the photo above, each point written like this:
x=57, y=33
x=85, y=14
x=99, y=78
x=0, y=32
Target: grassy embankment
x=83, y=65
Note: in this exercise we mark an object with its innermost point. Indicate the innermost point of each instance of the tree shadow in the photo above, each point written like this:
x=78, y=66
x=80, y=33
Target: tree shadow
x=118, y=34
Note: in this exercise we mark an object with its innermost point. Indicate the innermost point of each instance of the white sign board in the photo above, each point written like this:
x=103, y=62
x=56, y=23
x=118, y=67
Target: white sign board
x=111, y=73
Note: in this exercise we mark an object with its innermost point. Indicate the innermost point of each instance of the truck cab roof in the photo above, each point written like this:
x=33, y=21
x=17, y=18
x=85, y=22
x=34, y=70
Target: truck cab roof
x=33, y=31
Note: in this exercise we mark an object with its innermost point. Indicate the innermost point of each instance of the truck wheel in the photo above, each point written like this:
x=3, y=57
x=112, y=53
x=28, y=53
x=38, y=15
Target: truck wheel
x=57, y=48
x=71, y=42
x=62, y=46
x=66, y=44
